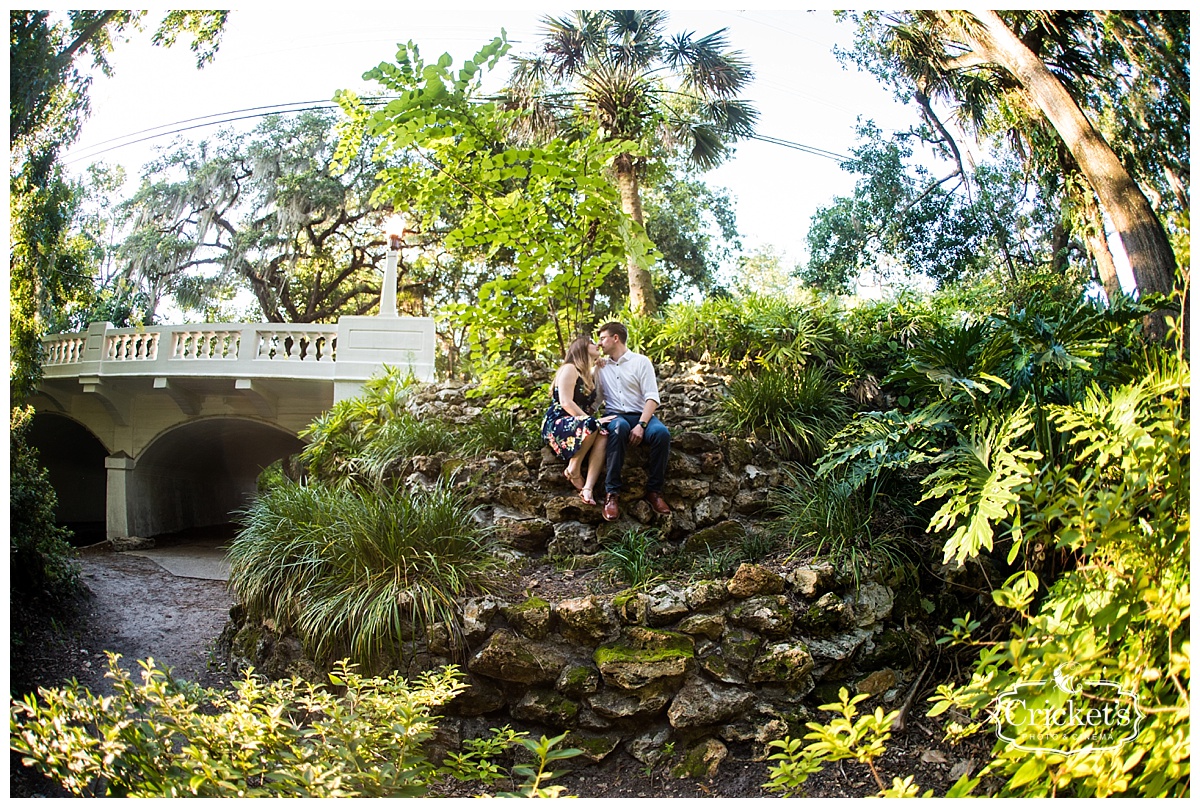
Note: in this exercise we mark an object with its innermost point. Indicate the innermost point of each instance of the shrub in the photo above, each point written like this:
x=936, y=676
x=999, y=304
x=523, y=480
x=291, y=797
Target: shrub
x=44, y=576
x=828, y=518
x=799, y=411
x=356, y=571
x=1119, y=503
x=337, y=439
x=168, y=738
x=502, y=431
x=749, y=331
x=631, y=559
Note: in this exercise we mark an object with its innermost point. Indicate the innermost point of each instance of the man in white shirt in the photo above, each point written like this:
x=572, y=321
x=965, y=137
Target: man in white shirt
x=629, y=391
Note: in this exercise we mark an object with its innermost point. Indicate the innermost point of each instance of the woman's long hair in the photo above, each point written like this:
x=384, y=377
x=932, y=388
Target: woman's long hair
x=577, y=355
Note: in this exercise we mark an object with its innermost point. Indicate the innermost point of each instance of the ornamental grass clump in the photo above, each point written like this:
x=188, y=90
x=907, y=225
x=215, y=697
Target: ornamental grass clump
x=357, y=572
x=797, y=410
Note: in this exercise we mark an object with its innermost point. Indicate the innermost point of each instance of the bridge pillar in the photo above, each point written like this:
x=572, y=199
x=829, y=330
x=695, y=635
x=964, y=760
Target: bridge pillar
x=365, y=344
x=119, y=466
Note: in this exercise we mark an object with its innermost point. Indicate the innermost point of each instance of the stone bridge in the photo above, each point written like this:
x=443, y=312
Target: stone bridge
x=148, y=431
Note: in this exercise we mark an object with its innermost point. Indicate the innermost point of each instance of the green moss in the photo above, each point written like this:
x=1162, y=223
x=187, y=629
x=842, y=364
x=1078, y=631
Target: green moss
x=622, y=598
x=531, y=604
x=245, y=642
x=741, y=645
x=576, y=678
x=693, y=764
x=646, y=645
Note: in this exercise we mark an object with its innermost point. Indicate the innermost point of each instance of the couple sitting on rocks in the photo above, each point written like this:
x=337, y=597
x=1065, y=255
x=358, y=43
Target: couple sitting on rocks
x=623, y=382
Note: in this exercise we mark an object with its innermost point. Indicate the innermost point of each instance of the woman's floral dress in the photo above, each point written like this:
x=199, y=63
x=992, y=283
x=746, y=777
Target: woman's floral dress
x=564, y=433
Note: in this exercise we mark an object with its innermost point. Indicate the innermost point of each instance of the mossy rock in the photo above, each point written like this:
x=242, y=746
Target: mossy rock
x=645, y=656
x=577, y=681
x=594, y=747
x=718, y=535
x=546, y=707
x=701, y=761
x=531, y=618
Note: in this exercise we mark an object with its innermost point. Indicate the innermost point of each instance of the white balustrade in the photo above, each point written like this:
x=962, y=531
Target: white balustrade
x=205, y=344
x=296, y=345
x=268, y=351
x=132, y=345
x=64, y=349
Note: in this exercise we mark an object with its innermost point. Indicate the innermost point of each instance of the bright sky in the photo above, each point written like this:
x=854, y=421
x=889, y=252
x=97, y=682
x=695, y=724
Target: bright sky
x=271, y=57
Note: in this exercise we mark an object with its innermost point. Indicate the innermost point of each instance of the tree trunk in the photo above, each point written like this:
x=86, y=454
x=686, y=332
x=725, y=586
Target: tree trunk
x=1098, y=247
x=641, y=287
x=1150, y=255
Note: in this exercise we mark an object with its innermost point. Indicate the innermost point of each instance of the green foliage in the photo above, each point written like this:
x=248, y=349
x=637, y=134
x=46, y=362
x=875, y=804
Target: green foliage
x=1122, y=615
x=338, y=438
x=43, y=574
x=169, y=738
x=361, y=439
x=535, y=778
x=797, y=410
x=631, y=559
x=844, y=738
x=981, y=479
x=901, y=222
x=819, y=515
x=544, y=219
x=49, y=267
x=477, y=761
x=748, y=331
x=498, y=430
x=357, y=572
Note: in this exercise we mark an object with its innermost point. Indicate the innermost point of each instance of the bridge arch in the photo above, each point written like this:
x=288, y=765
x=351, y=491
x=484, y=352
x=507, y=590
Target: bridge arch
x=197, y=474
x=73, y=457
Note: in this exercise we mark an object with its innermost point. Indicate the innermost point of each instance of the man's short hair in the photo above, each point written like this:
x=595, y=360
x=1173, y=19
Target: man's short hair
x=617, y=330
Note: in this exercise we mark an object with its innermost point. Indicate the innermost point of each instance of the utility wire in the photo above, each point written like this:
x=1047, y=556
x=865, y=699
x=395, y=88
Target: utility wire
x=91, y=152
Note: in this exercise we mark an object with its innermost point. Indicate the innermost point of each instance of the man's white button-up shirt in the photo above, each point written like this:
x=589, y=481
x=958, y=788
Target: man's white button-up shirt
x=627, y=383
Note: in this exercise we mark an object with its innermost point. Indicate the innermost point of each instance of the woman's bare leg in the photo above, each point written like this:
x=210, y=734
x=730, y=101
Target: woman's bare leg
x=576, y=462
x=596, y=462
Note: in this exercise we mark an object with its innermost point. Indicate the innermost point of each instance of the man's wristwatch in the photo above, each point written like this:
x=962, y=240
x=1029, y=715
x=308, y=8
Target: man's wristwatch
x=643, y=424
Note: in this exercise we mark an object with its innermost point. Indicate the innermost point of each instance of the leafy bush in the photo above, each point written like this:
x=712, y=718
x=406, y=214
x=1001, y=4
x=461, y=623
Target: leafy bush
x=799, y=411
x=498, y=430
x=1120, y=505
x=1113, y=506
x=762, y=331
x=338, y=439
x=168, y=738
x=356, y=571
x=44, y=576
x=844, y=738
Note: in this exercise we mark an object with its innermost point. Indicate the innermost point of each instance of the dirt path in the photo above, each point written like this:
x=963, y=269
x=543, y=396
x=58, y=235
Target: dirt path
x=139, y=610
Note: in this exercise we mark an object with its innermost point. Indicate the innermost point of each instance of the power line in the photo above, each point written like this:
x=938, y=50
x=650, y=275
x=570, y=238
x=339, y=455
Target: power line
x=232, y=116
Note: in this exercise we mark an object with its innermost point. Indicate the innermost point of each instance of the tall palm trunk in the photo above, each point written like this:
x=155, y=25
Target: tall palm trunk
x=1150, y=255
x=641, y=287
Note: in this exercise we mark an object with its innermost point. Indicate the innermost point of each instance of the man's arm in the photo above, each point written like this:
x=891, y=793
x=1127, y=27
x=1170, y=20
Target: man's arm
x=649, y=389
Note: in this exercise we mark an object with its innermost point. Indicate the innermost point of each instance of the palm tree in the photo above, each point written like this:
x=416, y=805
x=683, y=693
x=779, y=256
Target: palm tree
x=618, y=71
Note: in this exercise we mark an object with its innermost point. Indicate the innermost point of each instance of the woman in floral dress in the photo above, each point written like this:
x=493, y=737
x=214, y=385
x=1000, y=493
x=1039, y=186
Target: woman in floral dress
x=568, y=429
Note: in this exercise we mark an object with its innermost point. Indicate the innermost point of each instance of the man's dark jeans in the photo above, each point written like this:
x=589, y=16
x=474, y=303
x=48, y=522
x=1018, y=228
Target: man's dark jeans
x=657, y=439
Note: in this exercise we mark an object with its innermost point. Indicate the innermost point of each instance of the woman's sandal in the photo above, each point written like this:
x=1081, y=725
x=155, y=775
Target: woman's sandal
x=571, y=480
x=586, y=495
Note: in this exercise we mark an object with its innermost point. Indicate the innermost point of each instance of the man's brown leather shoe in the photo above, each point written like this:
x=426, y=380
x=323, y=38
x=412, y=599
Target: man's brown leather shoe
x=657, y=503
x=611, y=510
